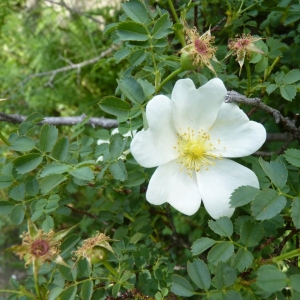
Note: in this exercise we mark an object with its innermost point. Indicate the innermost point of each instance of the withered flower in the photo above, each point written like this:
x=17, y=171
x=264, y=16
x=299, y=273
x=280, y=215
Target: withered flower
x=89, y=245
x=42, y=247
x=200, y=48
x=243, y=46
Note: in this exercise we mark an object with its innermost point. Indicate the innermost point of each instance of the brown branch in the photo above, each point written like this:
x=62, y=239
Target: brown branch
x=233, y=96
x=59, y=121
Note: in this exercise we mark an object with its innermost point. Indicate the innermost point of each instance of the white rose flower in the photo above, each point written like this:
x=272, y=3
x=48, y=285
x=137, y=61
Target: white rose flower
x=190, y=138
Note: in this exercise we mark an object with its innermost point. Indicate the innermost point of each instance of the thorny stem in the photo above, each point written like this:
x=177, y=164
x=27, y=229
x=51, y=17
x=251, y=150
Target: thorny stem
x=178, y=71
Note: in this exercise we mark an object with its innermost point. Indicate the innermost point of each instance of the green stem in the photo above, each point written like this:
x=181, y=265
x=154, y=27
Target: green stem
x=4, y=139
x=110, y=268
x=172, y=75
x=287, y=255
x=170, y=2
x=248, y=77
x=179, y=32
x=21, y=293
x=269, y=70
x=36, y=279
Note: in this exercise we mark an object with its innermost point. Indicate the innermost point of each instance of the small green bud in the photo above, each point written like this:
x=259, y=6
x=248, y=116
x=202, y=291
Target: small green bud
x=187, y=62
x=97, y=254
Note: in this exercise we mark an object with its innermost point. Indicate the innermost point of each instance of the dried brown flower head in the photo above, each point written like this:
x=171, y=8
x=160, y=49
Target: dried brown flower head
x=243, y=46
x=43, y=247
x=200, y=48
x=99, y=239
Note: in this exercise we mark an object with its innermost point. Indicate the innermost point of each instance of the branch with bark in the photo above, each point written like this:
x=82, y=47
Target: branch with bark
x=289, y=125
x=59, y=121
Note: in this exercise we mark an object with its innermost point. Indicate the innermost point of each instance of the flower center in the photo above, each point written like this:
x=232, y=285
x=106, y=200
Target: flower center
x=195, y=151
x=200, y=47
x=40, y=248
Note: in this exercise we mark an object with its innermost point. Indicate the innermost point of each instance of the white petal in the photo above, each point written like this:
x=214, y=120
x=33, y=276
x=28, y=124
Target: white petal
x=155, y=146
x=236, y=133
x=218, y=182
x=197, y=108
x=169, y=184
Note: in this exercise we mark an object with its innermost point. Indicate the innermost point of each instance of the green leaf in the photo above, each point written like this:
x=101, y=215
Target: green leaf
x=262, y=64
x=132, y=31
x=293, y=157
x=50, y=182
x=48, y=224
x=69, y=293
x=132, y=89
x=137, y=237
x=251, y=233
x=116, y=289
x=270, y=279
x=243, y=259
x=61, y=149
x=135, y=178
x=243, y=195
x=295, y=212
x=116, y=146
x=84, y=173
x=232, y=295
x=199, y=273
x=114, y=106
x=181, y=287
x=225, y=276
x=23, y=144
x=162, y=27
x=201, y=245
x=17, y=214
x=222, y=226
x=288, y=92
x=27, y=163
x=276, y=171
x=137, y=57
x=18, y=192
x=292, y=77
x=6, y=207
x=5, y=181
x=136, y=11
x=118, y=170
x=55, y=292
x=220, y=252
x=295, y=280
x=87, y=290
x=54, y=168
x=267, y=204
x=271, y=88
x=69, y=273
x=121, y=54
x=48, y=137
x=32, y=187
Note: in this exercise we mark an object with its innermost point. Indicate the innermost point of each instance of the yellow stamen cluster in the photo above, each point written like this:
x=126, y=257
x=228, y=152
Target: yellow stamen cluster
x=195, y=151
